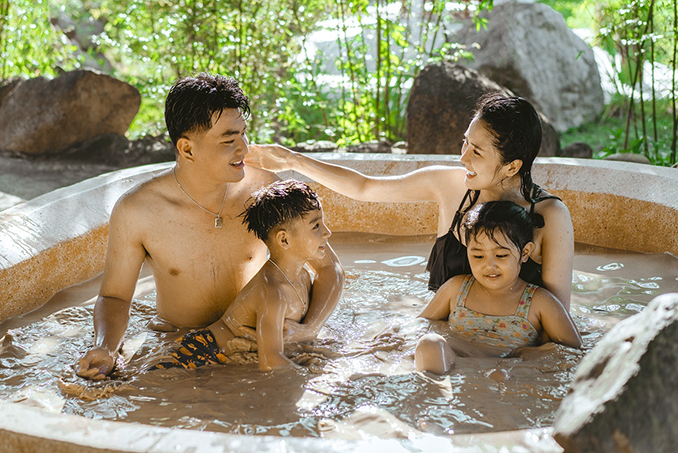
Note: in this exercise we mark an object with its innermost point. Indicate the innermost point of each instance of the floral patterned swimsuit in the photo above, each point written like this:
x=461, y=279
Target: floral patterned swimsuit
x=510, y=331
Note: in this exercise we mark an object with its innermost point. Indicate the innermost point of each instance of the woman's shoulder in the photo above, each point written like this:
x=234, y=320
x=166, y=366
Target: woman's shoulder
x=551, y=206
x=543, y=300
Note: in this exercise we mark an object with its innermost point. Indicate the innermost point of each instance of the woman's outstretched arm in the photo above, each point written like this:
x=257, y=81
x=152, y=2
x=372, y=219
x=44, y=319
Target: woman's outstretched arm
x=426, y=184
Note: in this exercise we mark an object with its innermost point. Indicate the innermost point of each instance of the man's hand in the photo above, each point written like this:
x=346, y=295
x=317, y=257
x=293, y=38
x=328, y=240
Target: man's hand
x=96, y=364
x=269, y=157
x=294, y=332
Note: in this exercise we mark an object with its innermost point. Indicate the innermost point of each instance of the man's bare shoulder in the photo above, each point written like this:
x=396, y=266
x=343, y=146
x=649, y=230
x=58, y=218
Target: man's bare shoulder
x=140, y=197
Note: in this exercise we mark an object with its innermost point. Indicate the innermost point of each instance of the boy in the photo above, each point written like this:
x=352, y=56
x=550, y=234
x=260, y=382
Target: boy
x=288, y=217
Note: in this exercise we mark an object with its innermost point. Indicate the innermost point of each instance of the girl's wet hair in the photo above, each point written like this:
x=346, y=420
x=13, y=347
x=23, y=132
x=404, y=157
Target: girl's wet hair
x=517, y=132
x=277, y=204
x=510, y=220
x=192, y=101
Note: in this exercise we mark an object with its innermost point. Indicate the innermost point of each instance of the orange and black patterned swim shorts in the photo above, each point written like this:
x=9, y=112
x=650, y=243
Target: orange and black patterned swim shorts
x=196, y=348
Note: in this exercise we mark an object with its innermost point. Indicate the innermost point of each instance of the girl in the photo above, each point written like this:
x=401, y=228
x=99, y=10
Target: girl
x=498, y=150
x=493, y=305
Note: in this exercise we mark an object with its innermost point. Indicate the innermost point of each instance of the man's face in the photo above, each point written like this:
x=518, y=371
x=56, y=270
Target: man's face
x=221, y=149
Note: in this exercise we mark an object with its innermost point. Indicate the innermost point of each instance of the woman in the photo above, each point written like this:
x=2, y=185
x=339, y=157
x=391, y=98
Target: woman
x=499, y=148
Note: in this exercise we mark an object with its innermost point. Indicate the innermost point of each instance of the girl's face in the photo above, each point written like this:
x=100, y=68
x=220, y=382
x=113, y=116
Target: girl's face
x=484, y=166
x=495, y=263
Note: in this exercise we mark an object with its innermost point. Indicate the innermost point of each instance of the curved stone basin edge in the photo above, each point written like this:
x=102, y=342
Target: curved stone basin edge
x=59, y=239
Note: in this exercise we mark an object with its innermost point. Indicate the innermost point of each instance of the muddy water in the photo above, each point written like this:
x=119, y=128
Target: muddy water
x=355, y=381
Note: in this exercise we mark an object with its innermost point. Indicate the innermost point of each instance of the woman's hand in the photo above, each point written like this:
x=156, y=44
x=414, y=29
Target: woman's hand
x=269, y=157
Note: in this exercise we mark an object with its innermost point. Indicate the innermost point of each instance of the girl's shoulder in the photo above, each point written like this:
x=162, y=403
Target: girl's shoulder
x=452, y=286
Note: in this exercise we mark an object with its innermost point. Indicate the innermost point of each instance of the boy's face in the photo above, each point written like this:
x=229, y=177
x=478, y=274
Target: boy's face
x=495, y=263
x=309, y=235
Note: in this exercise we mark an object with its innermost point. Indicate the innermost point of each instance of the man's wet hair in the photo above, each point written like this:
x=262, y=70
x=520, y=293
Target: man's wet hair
x=192, y=101
x=507, y=218
x=277, y=204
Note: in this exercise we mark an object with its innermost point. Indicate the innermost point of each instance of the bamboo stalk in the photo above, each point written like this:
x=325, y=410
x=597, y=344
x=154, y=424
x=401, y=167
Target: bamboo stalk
x=673, y=79
x=377, y=116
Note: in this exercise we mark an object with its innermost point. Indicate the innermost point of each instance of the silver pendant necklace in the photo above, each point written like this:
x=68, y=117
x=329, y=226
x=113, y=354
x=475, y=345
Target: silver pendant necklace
x=304, y=304
x=218, y=220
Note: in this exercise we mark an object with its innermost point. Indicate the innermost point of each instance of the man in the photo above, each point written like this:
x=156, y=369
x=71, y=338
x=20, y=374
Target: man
x=185, y=224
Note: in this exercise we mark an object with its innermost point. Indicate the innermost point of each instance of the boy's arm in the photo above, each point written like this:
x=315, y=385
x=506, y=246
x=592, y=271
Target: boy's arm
x=124, y=258
x=439, y=307
x=555, y=320
x=271, y=311
x=325, y=295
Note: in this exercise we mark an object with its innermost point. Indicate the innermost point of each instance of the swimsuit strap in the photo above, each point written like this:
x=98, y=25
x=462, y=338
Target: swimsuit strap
x=536, y=199
x=464, y=289
x=461, y=211
x=526, y=300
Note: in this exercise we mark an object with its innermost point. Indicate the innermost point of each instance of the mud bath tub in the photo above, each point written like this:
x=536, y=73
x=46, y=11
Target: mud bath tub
x=59, y=239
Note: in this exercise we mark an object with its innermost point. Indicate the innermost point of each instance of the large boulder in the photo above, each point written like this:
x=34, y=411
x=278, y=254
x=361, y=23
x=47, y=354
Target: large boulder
x=443, y=98
x=528, y=48
x=624, y=396
x=42, y=116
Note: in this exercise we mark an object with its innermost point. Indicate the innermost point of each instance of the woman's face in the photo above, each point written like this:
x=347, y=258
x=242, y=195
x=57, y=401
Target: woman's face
x=484, y=166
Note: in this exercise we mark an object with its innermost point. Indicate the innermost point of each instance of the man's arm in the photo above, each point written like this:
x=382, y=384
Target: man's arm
x=270, y=320
x=325, y=295
x=124, y=258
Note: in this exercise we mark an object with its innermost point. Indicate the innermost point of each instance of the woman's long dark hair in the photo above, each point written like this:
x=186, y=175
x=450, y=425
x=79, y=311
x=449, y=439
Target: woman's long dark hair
x=516, y=129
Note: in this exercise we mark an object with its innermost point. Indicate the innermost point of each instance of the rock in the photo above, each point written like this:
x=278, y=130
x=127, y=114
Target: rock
x=7, y=201
x=117, y=151
x=370, y=147
x=7, y=87
x=629, y=157
x=399, y=148
x=43, y=116
x=529, y=49
x=577, y=149
x=312, y=146
x=441, y=105
x=624, y=396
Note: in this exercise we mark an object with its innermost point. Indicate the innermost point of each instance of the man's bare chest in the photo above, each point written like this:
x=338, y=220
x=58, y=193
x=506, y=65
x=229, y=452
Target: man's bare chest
x=193, y=245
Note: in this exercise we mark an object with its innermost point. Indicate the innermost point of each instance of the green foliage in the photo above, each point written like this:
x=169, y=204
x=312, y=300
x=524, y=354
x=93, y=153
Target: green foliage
x=577, y=13
x=263, y=44
x=641, y=34
x=607, y=135
x=29, y=45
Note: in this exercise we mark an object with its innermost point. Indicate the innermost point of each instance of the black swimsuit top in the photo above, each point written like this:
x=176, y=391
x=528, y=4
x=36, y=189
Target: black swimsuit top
x=449, y=258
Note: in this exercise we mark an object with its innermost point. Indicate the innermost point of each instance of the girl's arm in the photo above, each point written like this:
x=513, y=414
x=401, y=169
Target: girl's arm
x=427, y=184
x=440, y=306
x=557, y=251
x=554, y=319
